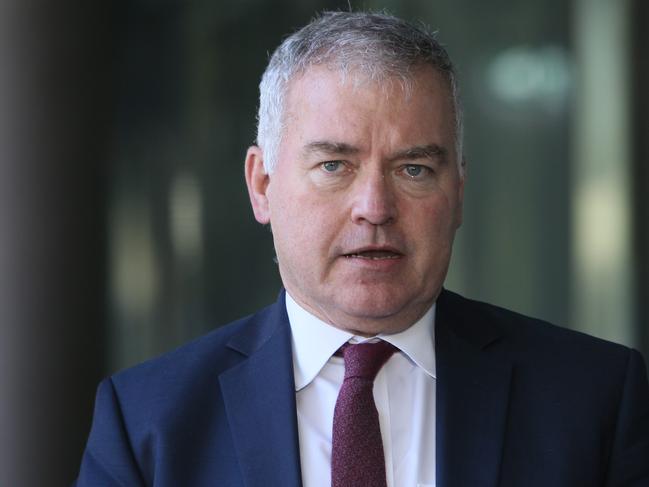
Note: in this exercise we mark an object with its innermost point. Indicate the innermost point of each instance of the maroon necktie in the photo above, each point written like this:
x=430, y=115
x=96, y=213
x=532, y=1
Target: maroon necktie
x=357, y=449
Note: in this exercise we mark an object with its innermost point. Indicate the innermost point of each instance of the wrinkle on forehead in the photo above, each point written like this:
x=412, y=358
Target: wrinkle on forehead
x=305, y=90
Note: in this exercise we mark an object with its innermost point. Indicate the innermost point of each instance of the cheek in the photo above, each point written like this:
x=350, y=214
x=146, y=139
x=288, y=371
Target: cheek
x=431, y=219
x=301, y=223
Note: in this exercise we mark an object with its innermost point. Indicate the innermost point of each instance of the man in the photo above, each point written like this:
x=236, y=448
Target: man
x=359, y=172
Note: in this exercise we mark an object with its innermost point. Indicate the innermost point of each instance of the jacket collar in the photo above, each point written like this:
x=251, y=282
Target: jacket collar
x=259, y=398
x=473, y=381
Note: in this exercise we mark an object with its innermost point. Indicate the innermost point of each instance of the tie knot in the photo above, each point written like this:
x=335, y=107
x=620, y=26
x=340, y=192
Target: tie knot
x=364, y=360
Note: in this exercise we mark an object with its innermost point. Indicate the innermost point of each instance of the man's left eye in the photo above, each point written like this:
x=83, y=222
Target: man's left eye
x=414, y=170
x=331, y=166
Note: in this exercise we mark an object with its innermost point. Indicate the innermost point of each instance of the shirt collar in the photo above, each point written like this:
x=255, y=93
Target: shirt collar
x=315, y=341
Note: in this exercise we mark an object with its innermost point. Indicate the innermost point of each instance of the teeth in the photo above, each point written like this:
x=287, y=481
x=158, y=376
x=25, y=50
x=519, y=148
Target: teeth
x=382, y=257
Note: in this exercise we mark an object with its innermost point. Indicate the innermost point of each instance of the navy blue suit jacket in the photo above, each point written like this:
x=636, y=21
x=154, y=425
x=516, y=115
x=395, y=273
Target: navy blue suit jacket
x=519, y=403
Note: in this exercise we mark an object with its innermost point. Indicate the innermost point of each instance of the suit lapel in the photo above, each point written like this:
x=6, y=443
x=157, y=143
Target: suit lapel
x=473, y=381
x=259, y=396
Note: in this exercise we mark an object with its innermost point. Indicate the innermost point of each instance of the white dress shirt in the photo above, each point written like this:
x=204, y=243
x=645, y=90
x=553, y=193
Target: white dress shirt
x=404, y=393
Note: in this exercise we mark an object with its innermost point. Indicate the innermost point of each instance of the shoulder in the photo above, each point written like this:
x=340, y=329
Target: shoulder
x=530, y=340
x=193, y=369
x=553, y=369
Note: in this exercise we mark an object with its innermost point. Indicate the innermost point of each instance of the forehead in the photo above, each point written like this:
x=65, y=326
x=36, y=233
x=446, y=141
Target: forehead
x=342, y=105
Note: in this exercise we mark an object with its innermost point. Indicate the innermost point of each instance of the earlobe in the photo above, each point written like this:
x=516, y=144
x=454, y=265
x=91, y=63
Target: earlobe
x=257, y=181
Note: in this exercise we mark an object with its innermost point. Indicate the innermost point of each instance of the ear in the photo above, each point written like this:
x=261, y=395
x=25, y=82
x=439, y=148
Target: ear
x=460, y=195
x=257, y=181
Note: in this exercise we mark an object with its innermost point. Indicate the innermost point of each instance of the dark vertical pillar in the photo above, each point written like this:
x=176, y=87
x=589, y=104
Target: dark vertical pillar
x=640, y=98
x=53, y=106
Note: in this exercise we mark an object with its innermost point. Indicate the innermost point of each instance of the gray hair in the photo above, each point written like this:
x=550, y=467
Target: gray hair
x=378, y=46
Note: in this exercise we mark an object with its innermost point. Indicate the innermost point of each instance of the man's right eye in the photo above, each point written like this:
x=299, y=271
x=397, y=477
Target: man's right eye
x=331, y=166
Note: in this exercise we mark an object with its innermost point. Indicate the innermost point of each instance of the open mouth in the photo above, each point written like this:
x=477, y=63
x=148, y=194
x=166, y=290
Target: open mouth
x=374, y=255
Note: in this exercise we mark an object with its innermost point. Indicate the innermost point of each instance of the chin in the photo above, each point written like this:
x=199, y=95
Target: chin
x=385, y=309
x=373, y=306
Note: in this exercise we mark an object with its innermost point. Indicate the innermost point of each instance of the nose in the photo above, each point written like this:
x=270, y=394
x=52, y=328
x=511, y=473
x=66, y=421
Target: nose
x=374, y=200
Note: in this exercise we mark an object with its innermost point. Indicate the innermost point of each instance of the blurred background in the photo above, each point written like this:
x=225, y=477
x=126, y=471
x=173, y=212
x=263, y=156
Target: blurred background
x=125, y=228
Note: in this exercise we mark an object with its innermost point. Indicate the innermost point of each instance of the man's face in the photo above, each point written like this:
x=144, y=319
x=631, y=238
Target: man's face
x=365, y=199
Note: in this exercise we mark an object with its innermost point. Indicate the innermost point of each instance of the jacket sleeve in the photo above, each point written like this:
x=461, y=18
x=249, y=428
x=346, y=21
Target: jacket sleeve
x=629, y=465
x=108, y=460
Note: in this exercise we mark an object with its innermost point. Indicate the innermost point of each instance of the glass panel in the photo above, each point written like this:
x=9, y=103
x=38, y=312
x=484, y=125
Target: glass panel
x=186, y=253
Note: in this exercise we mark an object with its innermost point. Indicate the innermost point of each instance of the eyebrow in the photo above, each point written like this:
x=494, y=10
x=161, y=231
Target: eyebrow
x=428, y=151
x=329, y=147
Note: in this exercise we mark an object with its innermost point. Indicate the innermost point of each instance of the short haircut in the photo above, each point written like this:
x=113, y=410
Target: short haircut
x=376, y=45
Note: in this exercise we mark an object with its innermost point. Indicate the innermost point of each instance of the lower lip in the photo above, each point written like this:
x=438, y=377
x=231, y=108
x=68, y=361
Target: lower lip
x=374, y=264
